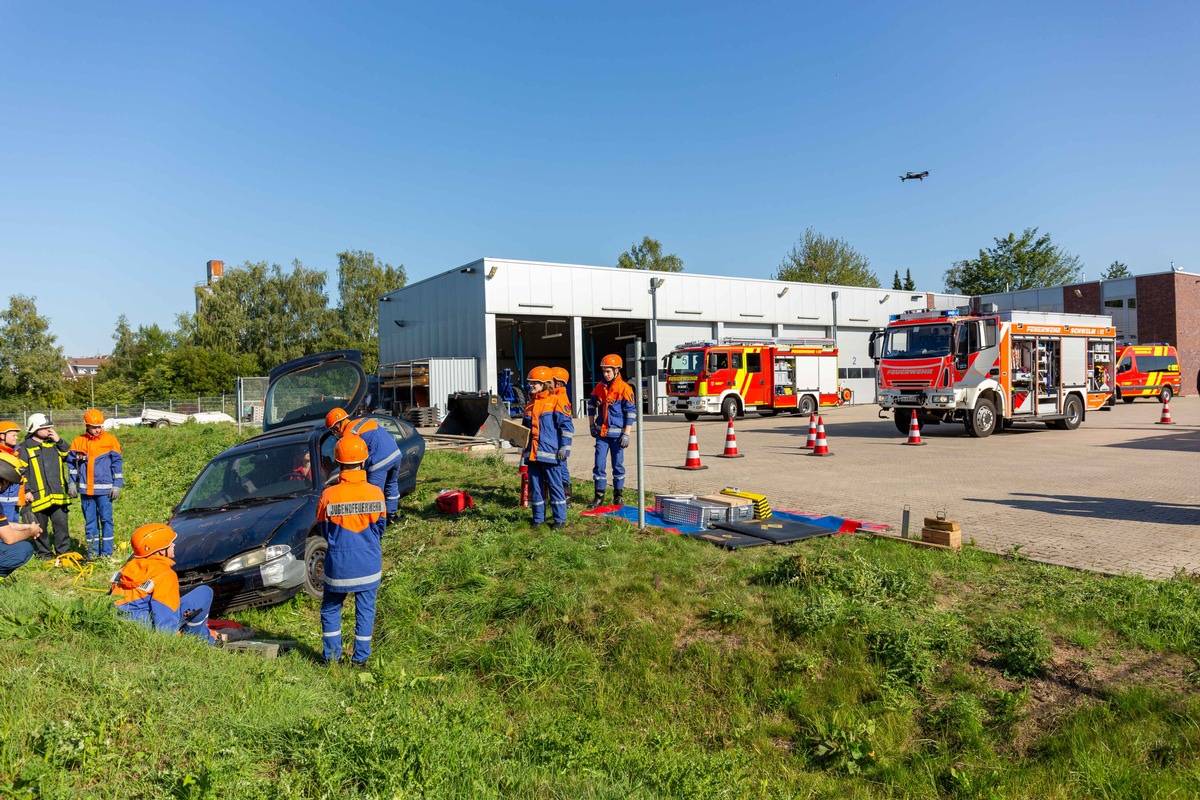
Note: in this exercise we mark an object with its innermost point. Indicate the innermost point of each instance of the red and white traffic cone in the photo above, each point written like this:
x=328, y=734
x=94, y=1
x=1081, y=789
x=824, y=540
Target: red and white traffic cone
x=821, y=448
x=692, y=461
x=812, y=432
x=1165, y=419
x=730, y=443
x=914, y=430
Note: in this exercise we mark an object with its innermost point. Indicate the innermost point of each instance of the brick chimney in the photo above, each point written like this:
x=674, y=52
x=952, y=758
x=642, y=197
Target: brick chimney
x=216, y=269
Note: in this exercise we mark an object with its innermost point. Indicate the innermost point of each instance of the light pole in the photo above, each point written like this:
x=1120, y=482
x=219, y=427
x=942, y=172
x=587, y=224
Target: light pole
x=92, y=381
x=655, y=283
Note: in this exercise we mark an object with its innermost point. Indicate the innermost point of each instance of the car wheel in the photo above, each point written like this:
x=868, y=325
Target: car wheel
x=1072, y=415
x=162, y=423
x=314, y=566
x=691, y=416
x=1127, y=399
x=982, y=421
x=807, y=406
x=729, y=408
x=1166, y=395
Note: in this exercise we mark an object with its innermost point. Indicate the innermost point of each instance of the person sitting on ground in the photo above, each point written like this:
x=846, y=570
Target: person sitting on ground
x=146, y=590
x=15, y=546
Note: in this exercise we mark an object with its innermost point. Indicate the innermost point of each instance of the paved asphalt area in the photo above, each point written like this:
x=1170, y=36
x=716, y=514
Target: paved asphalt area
x=1118, y=495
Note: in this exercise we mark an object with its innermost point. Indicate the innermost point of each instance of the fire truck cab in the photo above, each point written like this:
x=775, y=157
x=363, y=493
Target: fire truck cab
x=991, y=369
x=733, y=376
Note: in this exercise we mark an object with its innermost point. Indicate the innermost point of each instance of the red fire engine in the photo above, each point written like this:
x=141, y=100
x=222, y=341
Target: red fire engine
x=733, y=376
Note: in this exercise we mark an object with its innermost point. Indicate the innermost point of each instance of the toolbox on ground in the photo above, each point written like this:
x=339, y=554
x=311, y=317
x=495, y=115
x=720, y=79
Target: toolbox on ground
x=738, y=508
x=693, y=512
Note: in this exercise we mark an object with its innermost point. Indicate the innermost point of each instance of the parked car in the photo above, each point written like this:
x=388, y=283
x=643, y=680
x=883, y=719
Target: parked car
x=247, y=525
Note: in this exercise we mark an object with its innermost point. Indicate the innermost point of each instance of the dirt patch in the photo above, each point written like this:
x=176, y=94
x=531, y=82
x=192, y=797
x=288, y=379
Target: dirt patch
x=714, y=636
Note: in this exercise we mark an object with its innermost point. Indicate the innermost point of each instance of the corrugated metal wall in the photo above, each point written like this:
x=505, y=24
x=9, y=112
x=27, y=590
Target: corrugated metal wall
x=449, y=375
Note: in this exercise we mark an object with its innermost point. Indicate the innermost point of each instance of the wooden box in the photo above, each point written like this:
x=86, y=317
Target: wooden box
x=952, y=539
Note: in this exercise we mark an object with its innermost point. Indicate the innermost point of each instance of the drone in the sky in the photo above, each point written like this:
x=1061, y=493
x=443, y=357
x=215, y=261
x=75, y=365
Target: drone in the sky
x=908, y=176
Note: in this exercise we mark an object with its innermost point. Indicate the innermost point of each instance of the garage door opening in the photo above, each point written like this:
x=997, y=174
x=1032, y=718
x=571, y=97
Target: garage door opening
x=604, y=336
x=523, y=343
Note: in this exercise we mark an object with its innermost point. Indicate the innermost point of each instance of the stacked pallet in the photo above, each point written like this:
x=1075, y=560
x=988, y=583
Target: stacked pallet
x=942, y=532
x=424, y=417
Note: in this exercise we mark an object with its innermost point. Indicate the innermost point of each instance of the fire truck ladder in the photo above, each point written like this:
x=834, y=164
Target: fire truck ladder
x=778, y=342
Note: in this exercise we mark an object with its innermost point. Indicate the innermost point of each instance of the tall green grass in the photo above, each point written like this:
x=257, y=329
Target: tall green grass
x=601, y=662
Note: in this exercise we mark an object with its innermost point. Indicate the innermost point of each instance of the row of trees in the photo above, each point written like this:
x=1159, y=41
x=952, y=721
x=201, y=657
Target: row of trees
x=1012, y=263
x=257, y=316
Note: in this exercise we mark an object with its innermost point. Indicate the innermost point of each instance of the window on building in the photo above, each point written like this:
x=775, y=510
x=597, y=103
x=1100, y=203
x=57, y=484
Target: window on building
x=1114, y=303
x=1132, y=303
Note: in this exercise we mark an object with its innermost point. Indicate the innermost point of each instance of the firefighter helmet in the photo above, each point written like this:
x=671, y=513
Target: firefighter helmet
x=93, y=417
x=351, y=450
x=540, y=375
x=151, y=538
x=37, y=422
x=611, y=360
x=334, y=418
x=7, y=426
x=559, y=374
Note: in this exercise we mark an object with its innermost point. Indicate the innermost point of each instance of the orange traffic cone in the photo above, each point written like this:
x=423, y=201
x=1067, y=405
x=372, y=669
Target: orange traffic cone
x=730, y=443
x=1166, y=415
x=812, y=432
x=914, y=430
x=821, y=448
x=692, y=461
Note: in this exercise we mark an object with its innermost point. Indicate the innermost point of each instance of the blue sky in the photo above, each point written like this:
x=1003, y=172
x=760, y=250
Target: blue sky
x=140, y=140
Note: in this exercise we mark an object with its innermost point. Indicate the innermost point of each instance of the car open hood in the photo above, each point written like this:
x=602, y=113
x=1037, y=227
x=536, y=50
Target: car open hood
x=306, y=389
x=211, y=537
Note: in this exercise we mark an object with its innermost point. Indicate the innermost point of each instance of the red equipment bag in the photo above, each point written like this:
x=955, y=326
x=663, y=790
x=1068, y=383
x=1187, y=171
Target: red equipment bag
x=454, y=501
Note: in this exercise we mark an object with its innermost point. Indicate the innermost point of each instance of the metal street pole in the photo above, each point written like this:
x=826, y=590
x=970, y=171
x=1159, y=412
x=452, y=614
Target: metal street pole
x=641, y=478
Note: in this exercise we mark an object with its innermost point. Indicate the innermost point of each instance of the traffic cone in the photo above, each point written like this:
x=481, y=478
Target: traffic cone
x=812, y=432
x=730, y=443
x=692, y=461
x=1165, y=419
x=821, y=448
x=914, y=430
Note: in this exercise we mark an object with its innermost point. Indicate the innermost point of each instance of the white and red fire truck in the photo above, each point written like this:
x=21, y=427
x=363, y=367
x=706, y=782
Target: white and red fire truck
x=990, y=369
x=733, y=376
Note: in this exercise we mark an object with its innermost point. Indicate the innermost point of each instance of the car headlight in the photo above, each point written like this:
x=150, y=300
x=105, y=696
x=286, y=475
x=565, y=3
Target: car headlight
x=256, y=557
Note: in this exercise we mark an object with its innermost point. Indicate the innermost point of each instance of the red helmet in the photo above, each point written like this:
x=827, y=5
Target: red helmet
x=350, y=450
x=540, y=374
x=611, y=360
x=559, y=374
x=335, y=417
x=151, y=538
x=93, y=417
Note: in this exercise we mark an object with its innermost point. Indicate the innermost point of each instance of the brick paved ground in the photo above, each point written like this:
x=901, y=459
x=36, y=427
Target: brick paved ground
x=1118, y=495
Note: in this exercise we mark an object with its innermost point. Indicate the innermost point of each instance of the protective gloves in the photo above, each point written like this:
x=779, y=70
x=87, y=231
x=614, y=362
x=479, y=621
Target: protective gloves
x=72, y=491
x=114, y=493
x=561, y=455
x=624, y=440
x=595, y=430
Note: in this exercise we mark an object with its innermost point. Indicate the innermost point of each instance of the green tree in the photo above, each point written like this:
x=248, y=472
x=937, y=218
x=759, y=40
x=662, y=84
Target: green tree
x=31, y=361
x=1015, y=262
x=648, y=255
x=362, y=280
x=1116, y=270
x=817, y=258
x=909, y=284
x=896, y=284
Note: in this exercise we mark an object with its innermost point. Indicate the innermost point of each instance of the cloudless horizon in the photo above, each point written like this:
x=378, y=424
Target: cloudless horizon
x=142, y=139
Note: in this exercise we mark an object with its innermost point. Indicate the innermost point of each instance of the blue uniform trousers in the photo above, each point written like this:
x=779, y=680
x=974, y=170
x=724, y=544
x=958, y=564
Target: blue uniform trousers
x=388, y=481
x=97, y=523
x=197, y=602
x=13, y=556
x=606, y=446
x=364, y=623
x=546, y=485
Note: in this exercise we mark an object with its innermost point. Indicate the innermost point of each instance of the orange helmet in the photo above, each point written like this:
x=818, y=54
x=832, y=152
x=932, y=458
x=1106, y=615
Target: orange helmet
x=540, y=374
x=6, y=426
x=611, y=360
x=350, y=450
x=93, y=417
x=151, y=538
x=559, y=374
x=335, y=417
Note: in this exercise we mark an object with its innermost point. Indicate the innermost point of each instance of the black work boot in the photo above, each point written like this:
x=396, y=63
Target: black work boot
x=598, y=500
x=617, y=497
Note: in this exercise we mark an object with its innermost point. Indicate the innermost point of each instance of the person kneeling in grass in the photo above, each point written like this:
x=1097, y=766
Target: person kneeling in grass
x=15, y=546
x=146, y=590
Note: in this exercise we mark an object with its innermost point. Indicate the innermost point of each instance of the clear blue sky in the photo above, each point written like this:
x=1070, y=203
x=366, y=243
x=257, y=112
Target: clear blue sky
x=141, y=139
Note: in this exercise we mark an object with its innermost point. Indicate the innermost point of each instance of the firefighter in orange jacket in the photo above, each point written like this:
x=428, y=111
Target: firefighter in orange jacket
x=96, y=467
x=549, y=447
x=561, y=378
x=611, y=416
x=351, y=515
x=383, y=465
x=146, y=590
x=12, y=498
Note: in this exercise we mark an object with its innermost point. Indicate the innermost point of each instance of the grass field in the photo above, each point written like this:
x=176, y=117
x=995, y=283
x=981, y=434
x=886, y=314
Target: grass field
x=600, y=662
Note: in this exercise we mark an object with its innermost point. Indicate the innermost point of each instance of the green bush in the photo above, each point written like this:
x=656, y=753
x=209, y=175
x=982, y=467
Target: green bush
x=1021, y=649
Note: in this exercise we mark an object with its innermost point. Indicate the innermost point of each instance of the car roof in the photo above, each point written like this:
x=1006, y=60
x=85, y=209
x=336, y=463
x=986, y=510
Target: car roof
x=292, y=434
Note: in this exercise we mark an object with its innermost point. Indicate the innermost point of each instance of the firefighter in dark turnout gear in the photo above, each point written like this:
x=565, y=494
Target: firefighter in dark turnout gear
x=47, y=485
x=611, y=417
x=351, y=515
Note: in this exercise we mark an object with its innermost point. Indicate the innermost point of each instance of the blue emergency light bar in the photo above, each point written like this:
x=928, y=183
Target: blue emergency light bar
x=925, y=313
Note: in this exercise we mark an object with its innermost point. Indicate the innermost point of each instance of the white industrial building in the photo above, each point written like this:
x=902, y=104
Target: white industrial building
x=520, y=314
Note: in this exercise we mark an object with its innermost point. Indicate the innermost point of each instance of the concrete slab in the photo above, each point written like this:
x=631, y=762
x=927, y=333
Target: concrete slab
x=1119, y=495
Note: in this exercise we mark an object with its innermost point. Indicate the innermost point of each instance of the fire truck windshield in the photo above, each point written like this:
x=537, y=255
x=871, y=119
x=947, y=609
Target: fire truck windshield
x=918, y=341
x=686, y=362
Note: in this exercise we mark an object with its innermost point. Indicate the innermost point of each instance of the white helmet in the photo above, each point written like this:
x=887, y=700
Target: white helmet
x=37, y=421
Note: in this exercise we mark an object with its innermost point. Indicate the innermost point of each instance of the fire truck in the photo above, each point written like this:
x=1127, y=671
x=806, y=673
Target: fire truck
x=733, y=376
x=991, y=369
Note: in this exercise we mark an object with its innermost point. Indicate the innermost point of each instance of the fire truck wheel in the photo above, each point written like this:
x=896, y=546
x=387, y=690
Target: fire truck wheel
x=729, y=408
x=807, y=406
x=768, y=412
x=1072, y=415
x=903, y=419
x=1166, y=395
x=691, y=416
x=982, y=421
